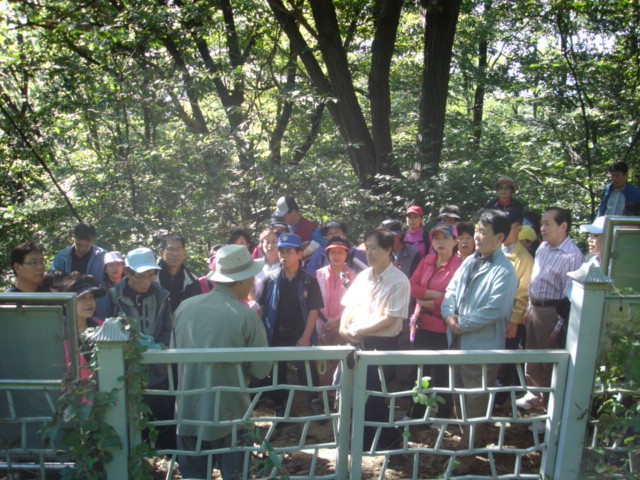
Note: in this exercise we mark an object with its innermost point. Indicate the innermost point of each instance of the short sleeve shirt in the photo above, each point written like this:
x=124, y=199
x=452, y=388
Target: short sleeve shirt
x=371, y=296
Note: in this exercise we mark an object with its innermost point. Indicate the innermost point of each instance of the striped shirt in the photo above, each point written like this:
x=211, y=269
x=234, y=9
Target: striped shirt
x=549, y=280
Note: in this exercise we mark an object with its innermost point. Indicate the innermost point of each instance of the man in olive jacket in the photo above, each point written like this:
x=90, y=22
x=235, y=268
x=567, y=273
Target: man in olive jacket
x=218, y=319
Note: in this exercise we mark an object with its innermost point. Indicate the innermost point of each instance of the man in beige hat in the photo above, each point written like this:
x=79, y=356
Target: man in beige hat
x=217, y=319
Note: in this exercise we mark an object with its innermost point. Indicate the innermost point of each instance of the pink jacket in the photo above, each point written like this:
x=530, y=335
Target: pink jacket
x=428, y=277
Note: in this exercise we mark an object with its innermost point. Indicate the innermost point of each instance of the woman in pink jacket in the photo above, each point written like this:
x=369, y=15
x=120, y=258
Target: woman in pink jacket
x=428, y=285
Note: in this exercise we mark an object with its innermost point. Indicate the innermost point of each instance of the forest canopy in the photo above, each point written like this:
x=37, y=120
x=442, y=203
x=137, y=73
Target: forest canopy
x=144, y=117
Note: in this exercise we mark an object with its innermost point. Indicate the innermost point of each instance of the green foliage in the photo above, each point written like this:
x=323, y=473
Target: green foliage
x=617, y=415
x=81, y=423
x=81, y=418
x=418, y=395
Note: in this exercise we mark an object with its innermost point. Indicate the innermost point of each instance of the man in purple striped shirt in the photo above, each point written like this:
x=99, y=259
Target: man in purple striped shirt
x=556, y=256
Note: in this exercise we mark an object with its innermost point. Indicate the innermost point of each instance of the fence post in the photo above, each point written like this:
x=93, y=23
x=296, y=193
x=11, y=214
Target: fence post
x=111, y=339
x=583, y=338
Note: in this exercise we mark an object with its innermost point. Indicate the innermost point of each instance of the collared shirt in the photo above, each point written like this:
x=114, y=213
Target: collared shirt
x=615, y=205
x=522, y=262
x=481, y=293
x=215, y=320
x=373, y=296
x=549, y=280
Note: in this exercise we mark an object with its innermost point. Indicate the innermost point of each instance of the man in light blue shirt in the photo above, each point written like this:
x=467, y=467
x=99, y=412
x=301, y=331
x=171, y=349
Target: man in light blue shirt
x=476, y=308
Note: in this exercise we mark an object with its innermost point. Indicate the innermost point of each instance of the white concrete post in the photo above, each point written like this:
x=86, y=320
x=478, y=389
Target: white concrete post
x=583, y=338
x=110, y=339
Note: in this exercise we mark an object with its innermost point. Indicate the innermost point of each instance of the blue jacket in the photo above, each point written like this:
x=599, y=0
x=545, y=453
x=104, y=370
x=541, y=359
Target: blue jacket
x=484, y=307
x=95, y=267
x=631, y=194
x=271, y=296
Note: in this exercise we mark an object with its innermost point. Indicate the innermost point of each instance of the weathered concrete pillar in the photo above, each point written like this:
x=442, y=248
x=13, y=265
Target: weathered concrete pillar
x=110, y=339
x=583, y=338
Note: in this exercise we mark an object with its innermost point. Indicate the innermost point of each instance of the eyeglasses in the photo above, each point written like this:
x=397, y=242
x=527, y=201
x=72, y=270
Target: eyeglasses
x=150, y=275
x=33, y=263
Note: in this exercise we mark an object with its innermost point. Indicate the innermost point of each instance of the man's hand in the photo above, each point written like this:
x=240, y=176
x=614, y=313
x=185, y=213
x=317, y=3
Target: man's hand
x=350, y=335
x=303, y=341
x=452, y=323
x=511, y=330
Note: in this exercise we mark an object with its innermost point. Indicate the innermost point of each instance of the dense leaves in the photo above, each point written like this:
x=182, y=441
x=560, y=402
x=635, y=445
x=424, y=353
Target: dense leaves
x=145, y=117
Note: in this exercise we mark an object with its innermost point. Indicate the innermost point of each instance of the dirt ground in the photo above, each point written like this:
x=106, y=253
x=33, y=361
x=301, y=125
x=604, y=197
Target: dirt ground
x=516, y=435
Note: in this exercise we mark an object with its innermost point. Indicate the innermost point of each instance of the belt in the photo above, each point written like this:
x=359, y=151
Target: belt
x=544, y=303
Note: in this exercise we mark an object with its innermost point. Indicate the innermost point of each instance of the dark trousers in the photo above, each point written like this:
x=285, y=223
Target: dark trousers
x=427, y=340
x=508, y=374
x=376, y=409
x=289, y=339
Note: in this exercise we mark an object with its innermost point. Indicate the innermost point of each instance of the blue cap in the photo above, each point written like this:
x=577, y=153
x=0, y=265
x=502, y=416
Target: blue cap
x=289, y=240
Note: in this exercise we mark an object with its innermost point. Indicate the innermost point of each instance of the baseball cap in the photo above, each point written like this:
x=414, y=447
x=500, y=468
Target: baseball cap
x=284, y=205
x=446, y=228
x=415, y=209
x=507, y=180
x=289, y=240
x=596, y=227
x=141, y=260
x=394, y=226
x=111, y=257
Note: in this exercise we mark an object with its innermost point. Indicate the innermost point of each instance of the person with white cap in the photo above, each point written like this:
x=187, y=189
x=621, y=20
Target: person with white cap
x=505, y=188
x=308, y=231
x=146, y=305
x=595, y=231
x=113, y=269
x=217, y=319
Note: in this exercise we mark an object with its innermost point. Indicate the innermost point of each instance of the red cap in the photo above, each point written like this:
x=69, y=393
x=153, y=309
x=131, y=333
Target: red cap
x=415, y=209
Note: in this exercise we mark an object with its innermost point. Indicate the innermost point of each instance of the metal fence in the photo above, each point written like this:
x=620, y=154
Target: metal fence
x=290, y=444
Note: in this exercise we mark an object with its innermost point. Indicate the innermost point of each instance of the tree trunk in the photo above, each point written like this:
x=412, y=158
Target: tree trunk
x=441, y=18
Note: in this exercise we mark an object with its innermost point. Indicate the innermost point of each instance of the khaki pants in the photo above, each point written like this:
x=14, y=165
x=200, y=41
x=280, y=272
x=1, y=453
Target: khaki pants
x=540, y=324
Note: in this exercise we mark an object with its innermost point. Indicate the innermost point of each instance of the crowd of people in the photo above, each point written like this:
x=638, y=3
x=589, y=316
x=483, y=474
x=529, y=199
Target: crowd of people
x=499, y=282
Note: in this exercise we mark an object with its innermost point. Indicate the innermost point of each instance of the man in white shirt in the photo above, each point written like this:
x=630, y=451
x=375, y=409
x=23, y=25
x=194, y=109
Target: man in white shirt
x=375, y=305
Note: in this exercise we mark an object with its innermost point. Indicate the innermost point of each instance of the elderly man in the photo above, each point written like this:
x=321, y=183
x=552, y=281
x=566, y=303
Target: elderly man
x=556, y=256
x=83, y=256
x=619, y=193
x=476, y=308
x=218, y=320
x=375, y=306
x=356, y=259
x=173, y=275
x=139, y=298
